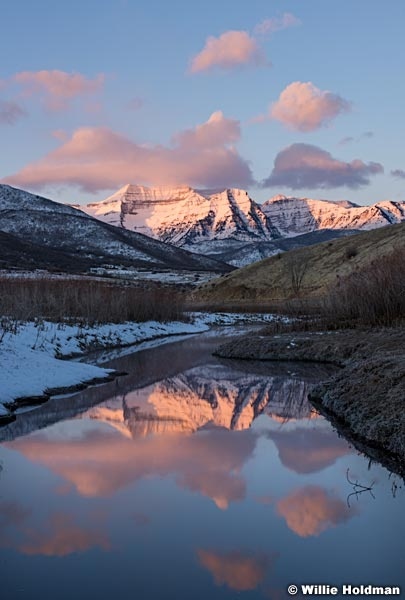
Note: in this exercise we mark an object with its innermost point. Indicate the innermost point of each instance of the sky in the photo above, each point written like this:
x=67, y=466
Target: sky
x=294, y=97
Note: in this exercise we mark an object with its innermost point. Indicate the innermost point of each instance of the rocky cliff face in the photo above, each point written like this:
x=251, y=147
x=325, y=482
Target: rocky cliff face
x=219, y=222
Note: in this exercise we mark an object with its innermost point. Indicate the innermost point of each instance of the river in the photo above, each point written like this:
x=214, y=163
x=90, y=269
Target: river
x=192, y=478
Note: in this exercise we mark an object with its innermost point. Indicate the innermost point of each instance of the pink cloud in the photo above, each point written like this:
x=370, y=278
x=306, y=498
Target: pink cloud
x=311, y=510
x=306, y=450
x=101, y=463
x=269, y=26
x=304, y=107
x=10, y=112
x=306, y=166
x=97, y=158
x=216, y=131
x=57, y=87
x=237, y=570
x=231, y=49
x=60, y=134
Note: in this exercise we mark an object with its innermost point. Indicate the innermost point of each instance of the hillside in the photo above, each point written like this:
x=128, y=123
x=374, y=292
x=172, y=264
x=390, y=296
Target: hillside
x=304, y=272
x=50, y=228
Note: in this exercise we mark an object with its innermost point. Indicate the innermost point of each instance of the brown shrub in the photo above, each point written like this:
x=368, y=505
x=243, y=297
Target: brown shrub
x=372, y=295
x=87, y=301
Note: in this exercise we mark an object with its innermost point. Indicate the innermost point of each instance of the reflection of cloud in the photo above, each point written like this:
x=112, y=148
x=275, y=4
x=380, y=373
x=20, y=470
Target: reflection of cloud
x=311, y=510
x=231, y=49
x=97, y=158
x=305, y=450
x=100, y=463
x=238, y=571
x=304, y=107
x=12, y=513
x=61, y=537
x=306, y=166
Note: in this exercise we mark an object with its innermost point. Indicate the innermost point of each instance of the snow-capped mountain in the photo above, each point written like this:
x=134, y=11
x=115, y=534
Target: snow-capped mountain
x=295, y=216
x=227, y=223
x=52, y=230
x=183, y=216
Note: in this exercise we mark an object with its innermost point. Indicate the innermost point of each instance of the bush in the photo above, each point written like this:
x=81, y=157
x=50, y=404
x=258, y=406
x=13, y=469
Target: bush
x=372, y=295
x=351, y=252
x=87, y=301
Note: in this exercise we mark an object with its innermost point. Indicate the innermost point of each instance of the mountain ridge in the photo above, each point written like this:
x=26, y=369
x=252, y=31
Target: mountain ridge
x=214, y=222
x=51, y=226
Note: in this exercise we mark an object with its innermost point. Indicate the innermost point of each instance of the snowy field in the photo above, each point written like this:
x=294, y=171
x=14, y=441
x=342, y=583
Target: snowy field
x=34, y=358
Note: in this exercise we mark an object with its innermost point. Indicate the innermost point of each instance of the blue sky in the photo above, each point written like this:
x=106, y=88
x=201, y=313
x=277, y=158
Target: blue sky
x=97, y=94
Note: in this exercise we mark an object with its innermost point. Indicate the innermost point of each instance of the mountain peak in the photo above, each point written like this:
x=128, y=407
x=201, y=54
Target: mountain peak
x=212, y=221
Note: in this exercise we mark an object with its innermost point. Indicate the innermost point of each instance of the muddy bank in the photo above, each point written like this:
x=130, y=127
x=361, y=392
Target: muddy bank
x=367, y=395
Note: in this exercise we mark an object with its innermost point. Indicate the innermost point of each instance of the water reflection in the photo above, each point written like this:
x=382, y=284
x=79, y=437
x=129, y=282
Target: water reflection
x=213, y=480
x=237, y=570
x=310, y=510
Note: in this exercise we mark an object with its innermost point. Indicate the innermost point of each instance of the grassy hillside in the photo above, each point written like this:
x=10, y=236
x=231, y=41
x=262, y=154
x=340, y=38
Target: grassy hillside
x=301, y=273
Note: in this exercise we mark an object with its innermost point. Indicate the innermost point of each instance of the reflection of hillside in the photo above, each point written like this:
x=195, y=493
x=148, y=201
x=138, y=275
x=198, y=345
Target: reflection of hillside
x=215, y=394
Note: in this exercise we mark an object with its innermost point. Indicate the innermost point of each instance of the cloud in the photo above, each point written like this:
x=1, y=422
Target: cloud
x=306, y=166
x=97, y=158
x=350, y=139
x=60, y=537
x=10, y=112
x=237, y=570
x=346, y=140
x=311, y=510
x=101, y=463
x=57, y=88
x=304, y=107
x=215, y=132
x=269, y=26
x=306, y=450
x=398, y=173
x=231, y=49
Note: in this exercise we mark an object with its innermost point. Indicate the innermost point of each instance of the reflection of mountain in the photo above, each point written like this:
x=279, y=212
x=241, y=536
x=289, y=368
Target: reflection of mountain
x=214, y=394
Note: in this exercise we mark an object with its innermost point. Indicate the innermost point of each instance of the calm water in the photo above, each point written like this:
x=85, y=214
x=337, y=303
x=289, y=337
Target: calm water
x=191, y=478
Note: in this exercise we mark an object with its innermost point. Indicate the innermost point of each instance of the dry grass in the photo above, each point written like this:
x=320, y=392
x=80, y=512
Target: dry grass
x=302, y=273
x=373, y=295
x=86, y=301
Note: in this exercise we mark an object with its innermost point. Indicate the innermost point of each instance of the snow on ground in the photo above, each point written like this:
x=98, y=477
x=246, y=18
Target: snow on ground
x=31, y=357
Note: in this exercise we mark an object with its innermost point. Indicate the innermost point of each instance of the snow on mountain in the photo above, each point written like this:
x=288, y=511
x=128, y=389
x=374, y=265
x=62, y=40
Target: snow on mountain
x=49, y=226
x=295, y=216
x=183, y=216
x=220, y=222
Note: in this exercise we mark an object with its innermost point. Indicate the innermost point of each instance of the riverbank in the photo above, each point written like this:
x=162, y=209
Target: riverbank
x=367, y=395
x=34, y=356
